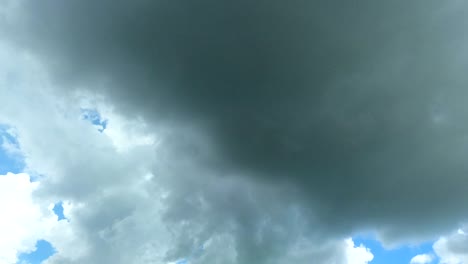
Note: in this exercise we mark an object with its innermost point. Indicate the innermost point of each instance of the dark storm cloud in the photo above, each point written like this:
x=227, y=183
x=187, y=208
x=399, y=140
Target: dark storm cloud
x=359, y=103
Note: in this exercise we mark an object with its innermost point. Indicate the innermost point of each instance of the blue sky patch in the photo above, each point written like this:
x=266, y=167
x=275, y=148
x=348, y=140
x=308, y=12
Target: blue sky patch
x=43, y=251
x=58, y=210
x=35, y=176
x=182, y=261
x=95, y=118
x=11, y=159
x=402, y=254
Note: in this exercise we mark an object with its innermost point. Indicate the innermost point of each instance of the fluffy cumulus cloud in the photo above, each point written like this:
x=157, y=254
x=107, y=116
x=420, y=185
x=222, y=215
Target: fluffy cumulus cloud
x=238, y=132
x=357, y=254
x=22, y=222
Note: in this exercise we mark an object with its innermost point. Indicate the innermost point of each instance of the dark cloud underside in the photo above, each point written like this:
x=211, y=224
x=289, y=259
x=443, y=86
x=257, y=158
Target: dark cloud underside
x=360, y=104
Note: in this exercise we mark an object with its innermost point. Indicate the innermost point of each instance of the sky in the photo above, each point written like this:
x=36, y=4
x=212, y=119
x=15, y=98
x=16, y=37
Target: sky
x=237, y=132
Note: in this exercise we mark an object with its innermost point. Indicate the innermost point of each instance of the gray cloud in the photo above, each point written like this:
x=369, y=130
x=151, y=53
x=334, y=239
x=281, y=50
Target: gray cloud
x=357, y=107
x=159, y=202
x=452, y=248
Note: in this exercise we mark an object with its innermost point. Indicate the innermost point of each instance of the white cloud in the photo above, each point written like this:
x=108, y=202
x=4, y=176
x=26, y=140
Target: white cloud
x=422, y=259
x=22, y=221
x=357, y=254
x=65, y=235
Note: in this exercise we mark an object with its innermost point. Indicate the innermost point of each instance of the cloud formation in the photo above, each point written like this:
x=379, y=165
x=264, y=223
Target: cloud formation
x=452, y=249
x=129, y=200
x=261, y=126
x=357, y=255
x=22, y=222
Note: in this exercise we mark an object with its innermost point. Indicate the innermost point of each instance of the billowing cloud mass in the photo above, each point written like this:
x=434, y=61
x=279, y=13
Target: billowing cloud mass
x=138, y=196
x=239, y=132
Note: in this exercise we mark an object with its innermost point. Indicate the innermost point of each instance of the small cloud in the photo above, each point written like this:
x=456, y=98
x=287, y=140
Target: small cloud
x=422, y=259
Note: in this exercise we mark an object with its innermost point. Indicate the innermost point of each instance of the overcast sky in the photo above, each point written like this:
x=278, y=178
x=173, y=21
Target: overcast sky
x=243, y=132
